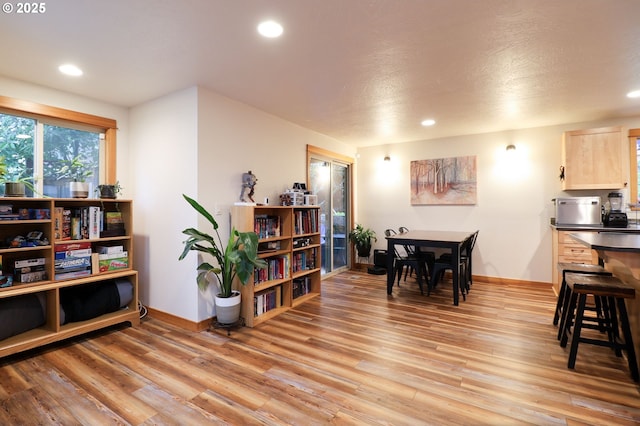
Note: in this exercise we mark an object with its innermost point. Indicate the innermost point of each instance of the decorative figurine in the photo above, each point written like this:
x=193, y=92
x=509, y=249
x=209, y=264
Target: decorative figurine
x=249, y=181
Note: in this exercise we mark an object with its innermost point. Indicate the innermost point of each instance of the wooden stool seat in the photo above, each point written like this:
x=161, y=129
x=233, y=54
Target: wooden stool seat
x=612, y=292
x=563, y=300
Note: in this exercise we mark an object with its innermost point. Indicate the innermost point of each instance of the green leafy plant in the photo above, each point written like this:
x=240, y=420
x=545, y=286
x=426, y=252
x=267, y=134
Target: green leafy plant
x=3, y=168
x=109, y=191
x=362, y=239
x=6, y=175
x=239, y=258
x=74, y=169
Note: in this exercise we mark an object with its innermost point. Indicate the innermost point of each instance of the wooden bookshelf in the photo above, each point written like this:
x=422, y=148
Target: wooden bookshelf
x=48, y=289
x=289, y=241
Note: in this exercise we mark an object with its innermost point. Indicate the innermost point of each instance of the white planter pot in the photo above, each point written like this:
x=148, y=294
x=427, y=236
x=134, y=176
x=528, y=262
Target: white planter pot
x=79, y=189
x=228, y=308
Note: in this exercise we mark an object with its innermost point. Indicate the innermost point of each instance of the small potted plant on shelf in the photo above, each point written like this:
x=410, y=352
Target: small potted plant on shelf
x=14, y=184
x=76, y=170
x=109, y=191
x=362, y=239
x=238, y=259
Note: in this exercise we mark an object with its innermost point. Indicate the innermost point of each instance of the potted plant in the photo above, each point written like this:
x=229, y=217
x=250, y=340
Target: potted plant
x=76, y=170
x=109, y=191
x=362, y=239
x=14, y=186
x=238, y=259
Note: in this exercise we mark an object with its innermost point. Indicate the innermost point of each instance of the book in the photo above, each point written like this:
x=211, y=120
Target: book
x=73, y=246
x=117, y=255
x=29, y=262
x=72, y=264
x=73, y=253
x=57, y=223
x=113, y=225
x=94, y=222
x=109, y=249
x=106, y=265
x=73, y=274
x=29, y=277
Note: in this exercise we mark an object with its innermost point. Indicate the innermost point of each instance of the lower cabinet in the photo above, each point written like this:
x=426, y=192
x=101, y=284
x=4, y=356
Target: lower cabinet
x=567, y=250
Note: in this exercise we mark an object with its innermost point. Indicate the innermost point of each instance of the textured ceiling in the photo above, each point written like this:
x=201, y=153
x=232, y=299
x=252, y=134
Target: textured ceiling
x=363, y=72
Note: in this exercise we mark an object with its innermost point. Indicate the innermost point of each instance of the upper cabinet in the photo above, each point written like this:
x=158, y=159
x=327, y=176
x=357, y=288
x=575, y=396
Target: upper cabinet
x=594, y=159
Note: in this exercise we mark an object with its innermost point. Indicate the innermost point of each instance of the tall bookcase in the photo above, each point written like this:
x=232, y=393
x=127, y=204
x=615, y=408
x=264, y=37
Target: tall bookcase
x=39, y=215
x=289, y=241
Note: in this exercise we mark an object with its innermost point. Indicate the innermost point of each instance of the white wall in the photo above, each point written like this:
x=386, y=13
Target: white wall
x=514, y=196
x=199, y=143
x=164, y=135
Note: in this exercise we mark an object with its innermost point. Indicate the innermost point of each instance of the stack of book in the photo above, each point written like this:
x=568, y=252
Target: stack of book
x=29, y=270
x=113, y=225
x=112, y=258
x=6, y=212
x=72, y=260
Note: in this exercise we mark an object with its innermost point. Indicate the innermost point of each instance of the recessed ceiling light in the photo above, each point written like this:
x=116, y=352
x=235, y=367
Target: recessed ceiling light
x=70, y=69
x=270, y=29
x=634, y=94
x=428, y=122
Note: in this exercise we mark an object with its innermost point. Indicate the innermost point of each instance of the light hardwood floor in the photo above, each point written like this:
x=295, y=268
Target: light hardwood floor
x=350, y=356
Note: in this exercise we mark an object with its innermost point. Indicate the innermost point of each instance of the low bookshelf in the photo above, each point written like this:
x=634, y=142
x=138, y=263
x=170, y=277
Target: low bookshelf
x=289, y=241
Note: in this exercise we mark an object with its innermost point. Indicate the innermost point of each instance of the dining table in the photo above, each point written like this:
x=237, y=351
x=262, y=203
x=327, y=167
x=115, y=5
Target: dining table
x=446, y=240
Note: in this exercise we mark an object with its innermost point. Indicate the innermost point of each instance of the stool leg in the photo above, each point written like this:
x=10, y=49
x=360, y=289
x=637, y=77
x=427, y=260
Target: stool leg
x=560, y=303
x=567, y=314
x=577, y=327
x=612, y=324
x=628, y=340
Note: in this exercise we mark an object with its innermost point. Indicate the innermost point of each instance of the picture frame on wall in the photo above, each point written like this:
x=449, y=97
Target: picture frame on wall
x=444, y=181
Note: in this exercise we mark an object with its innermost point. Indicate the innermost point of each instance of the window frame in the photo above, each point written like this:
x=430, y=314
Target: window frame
x=634, y=134
x=74, y=119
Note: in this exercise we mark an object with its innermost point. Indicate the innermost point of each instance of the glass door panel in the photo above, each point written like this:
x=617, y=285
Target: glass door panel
x=329, y=180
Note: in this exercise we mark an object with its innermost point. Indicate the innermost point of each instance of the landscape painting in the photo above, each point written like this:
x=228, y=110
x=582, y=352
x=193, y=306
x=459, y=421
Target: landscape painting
x=444, y=181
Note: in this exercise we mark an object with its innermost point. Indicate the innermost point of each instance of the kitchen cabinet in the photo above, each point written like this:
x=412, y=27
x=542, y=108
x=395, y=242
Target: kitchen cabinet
x=594, y=159
x=566, y=250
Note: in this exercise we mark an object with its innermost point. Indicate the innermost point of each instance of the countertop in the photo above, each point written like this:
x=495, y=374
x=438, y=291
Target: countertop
x=630, y=228
x=609, y=241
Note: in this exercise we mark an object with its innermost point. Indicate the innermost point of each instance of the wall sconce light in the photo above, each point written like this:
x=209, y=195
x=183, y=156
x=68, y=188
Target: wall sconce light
x=387, y=158
x=511, y=147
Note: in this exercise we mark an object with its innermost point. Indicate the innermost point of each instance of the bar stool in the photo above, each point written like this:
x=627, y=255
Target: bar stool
x=612, y=291
x=563, y=299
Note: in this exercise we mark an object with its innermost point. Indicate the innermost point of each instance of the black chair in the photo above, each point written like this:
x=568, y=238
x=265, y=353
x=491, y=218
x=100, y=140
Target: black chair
x=405, y=261
x=466, y=258
x=429, y=256
x=445, y=262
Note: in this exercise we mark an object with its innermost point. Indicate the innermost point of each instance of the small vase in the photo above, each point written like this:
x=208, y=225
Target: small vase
x=228, y=308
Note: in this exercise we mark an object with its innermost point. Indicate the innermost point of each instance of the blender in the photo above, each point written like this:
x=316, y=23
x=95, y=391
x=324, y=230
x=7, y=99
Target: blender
x=616, y=217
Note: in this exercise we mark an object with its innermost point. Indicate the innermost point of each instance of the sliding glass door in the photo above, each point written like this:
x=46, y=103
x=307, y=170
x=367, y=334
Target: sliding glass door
x=329, y=179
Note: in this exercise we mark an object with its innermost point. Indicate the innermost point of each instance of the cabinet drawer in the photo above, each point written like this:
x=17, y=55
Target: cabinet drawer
x=574, y=250
x=564, y=237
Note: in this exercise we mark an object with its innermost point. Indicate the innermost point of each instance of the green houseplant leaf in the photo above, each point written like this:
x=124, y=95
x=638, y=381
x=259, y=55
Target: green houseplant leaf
x=362, y=238
x=239, y=257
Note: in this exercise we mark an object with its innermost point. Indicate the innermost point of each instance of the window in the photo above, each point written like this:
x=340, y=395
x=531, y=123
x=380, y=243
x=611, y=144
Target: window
x=48, y=147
